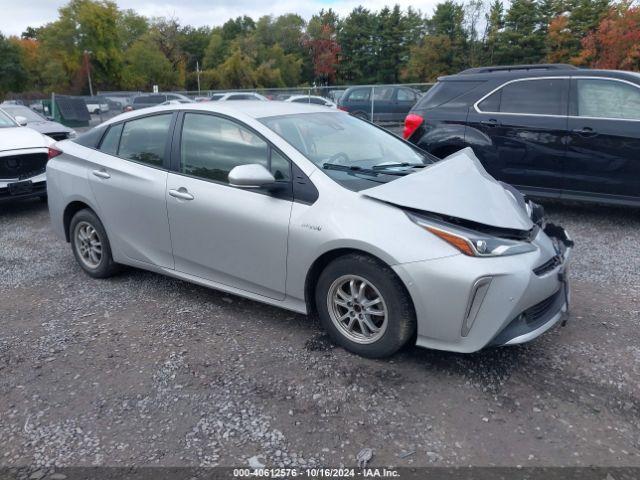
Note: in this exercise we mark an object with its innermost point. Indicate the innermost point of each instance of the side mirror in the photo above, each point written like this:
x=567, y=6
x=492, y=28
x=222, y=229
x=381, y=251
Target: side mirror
x=253, y=175
x=20, y=120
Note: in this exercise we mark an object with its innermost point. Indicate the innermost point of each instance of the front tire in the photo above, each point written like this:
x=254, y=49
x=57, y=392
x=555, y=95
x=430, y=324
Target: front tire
x=90, y=245
x=364, y=307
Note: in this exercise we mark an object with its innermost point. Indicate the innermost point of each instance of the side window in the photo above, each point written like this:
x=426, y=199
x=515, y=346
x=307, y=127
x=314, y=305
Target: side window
x=111, y=140
x=211, y=146
x=280, y=167
x=405, y=95
x=359, y=95
x=144, y=140
x=491, y=103
x=317, y=101
x=383, y=93
x=547, y=96
x=607, y=99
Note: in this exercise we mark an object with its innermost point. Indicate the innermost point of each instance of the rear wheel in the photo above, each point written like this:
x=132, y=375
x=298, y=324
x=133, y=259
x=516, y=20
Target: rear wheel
x=364, y=307
x=90, y=245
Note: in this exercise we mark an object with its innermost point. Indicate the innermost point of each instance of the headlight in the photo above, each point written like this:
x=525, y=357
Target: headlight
x=471, y=243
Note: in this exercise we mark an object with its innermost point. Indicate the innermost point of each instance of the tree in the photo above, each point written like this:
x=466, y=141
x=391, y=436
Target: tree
x=521, y=41
x=146, y=65
x=615, y=44
x=430, y=59
x=324, y=49
x=12, y=73
x=448, y=21
x=131, y=27
x=237, y=71
x=193, y=43
x=215, y=52
x=357, y=43
x=495, y=23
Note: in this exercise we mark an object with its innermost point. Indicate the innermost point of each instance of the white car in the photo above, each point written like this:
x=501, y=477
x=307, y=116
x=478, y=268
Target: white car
x=242, y=96
x=23, y=160
x=312, y=99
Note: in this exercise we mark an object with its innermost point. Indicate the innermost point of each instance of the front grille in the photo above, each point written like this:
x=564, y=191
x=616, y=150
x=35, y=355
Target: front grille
x=59, y=136
x=549, y=265
x=23, y=166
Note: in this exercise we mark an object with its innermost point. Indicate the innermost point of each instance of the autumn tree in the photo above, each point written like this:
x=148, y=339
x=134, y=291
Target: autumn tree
x=615, y=43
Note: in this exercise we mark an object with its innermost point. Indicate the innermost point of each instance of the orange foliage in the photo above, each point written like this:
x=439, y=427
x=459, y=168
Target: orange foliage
x=615, y=44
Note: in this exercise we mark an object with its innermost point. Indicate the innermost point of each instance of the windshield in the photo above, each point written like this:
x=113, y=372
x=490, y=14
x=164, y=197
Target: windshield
x=353, y=152
x=20, y=111
x=5, y=120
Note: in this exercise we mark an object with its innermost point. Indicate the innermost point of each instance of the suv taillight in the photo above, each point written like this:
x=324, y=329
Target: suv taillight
x=411, y=123
x=53, y=152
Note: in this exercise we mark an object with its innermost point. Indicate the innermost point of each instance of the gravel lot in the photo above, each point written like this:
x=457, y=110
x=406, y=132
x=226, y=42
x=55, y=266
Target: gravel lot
x=146, y=370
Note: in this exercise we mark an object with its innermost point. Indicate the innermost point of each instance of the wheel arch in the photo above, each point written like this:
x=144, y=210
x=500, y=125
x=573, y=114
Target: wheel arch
x=313, y=274
x=69, y=211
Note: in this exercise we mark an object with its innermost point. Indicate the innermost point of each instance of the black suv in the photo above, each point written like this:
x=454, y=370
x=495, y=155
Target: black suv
x=550, y=130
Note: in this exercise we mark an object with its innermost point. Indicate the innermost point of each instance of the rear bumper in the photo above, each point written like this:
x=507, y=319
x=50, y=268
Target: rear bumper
x=517, y=300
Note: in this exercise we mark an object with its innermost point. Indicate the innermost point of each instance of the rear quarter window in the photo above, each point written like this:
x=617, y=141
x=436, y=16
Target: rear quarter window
x=445, y=92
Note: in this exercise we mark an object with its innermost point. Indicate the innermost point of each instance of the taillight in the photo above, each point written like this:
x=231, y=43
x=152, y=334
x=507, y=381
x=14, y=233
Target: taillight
x=53, y=152
x=411, y=123
x=340, y=107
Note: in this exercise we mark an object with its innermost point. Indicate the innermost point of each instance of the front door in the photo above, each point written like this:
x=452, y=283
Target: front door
x=128, y=177
x=525, y=124
x=229, y=235
x=603, y=152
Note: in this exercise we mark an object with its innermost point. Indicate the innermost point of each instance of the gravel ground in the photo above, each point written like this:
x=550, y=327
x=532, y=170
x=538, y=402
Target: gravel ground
x=146, y=370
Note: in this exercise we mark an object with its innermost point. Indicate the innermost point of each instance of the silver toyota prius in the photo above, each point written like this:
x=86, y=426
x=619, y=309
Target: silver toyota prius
x=317, y=212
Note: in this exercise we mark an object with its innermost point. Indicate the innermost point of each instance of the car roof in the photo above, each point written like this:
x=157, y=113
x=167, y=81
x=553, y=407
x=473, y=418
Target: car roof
x=255, y=109
x=533, y=71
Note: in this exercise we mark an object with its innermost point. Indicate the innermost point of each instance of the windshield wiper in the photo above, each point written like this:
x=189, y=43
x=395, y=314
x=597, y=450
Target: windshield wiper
x=356, y=169
x=384, y=166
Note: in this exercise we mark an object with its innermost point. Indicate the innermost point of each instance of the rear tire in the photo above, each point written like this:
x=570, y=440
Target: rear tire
x=364, y=306
x=90, y=245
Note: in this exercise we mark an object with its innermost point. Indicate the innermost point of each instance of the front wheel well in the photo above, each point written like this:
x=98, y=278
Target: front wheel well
x=319, y=265
x=69, y=212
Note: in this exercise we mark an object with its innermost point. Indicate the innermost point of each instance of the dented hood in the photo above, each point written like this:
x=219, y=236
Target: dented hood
x=457, y=186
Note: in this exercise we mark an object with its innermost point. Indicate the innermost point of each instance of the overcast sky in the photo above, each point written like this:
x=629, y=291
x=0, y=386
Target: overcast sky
x=17, y=15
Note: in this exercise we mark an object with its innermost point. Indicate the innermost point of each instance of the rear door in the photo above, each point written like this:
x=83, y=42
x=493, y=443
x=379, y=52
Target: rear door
x=225, y=234
x=525, y=123
x=603, y=152
x=128, y=177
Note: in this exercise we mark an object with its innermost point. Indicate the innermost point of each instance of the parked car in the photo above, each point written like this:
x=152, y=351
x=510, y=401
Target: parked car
x=177, y=102
x=154, y=99
x=96, y=104
x=23, y=157
x=336, y=94
x=242, y=96
x=24, y=116
x=390, y=103
x=302, y=207
x=313, y=99
x=550, y=130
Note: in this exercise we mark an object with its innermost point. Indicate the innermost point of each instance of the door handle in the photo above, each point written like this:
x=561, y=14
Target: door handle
x=181, y=193
x=101, y=173
x=585, y=131
x=492, y=122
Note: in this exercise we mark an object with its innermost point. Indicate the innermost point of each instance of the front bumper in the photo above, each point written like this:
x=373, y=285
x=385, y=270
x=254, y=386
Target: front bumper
x=464, y=304
x=37, y=187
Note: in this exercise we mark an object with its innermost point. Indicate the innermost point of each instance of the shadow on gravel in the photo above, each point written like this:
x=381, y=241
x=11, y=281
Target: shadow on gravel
x=20, y=207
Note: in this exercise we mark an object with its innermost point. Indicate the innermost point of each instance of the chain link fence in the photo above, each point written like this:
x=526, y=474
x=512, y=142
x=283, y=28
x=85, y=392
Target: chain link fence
x=385, y=105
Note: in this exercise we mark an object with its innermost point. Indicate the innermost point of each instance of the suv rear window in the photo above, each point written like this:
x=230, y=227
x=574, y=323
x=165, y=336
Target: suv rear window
x=545, y=96
x=444, y=92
